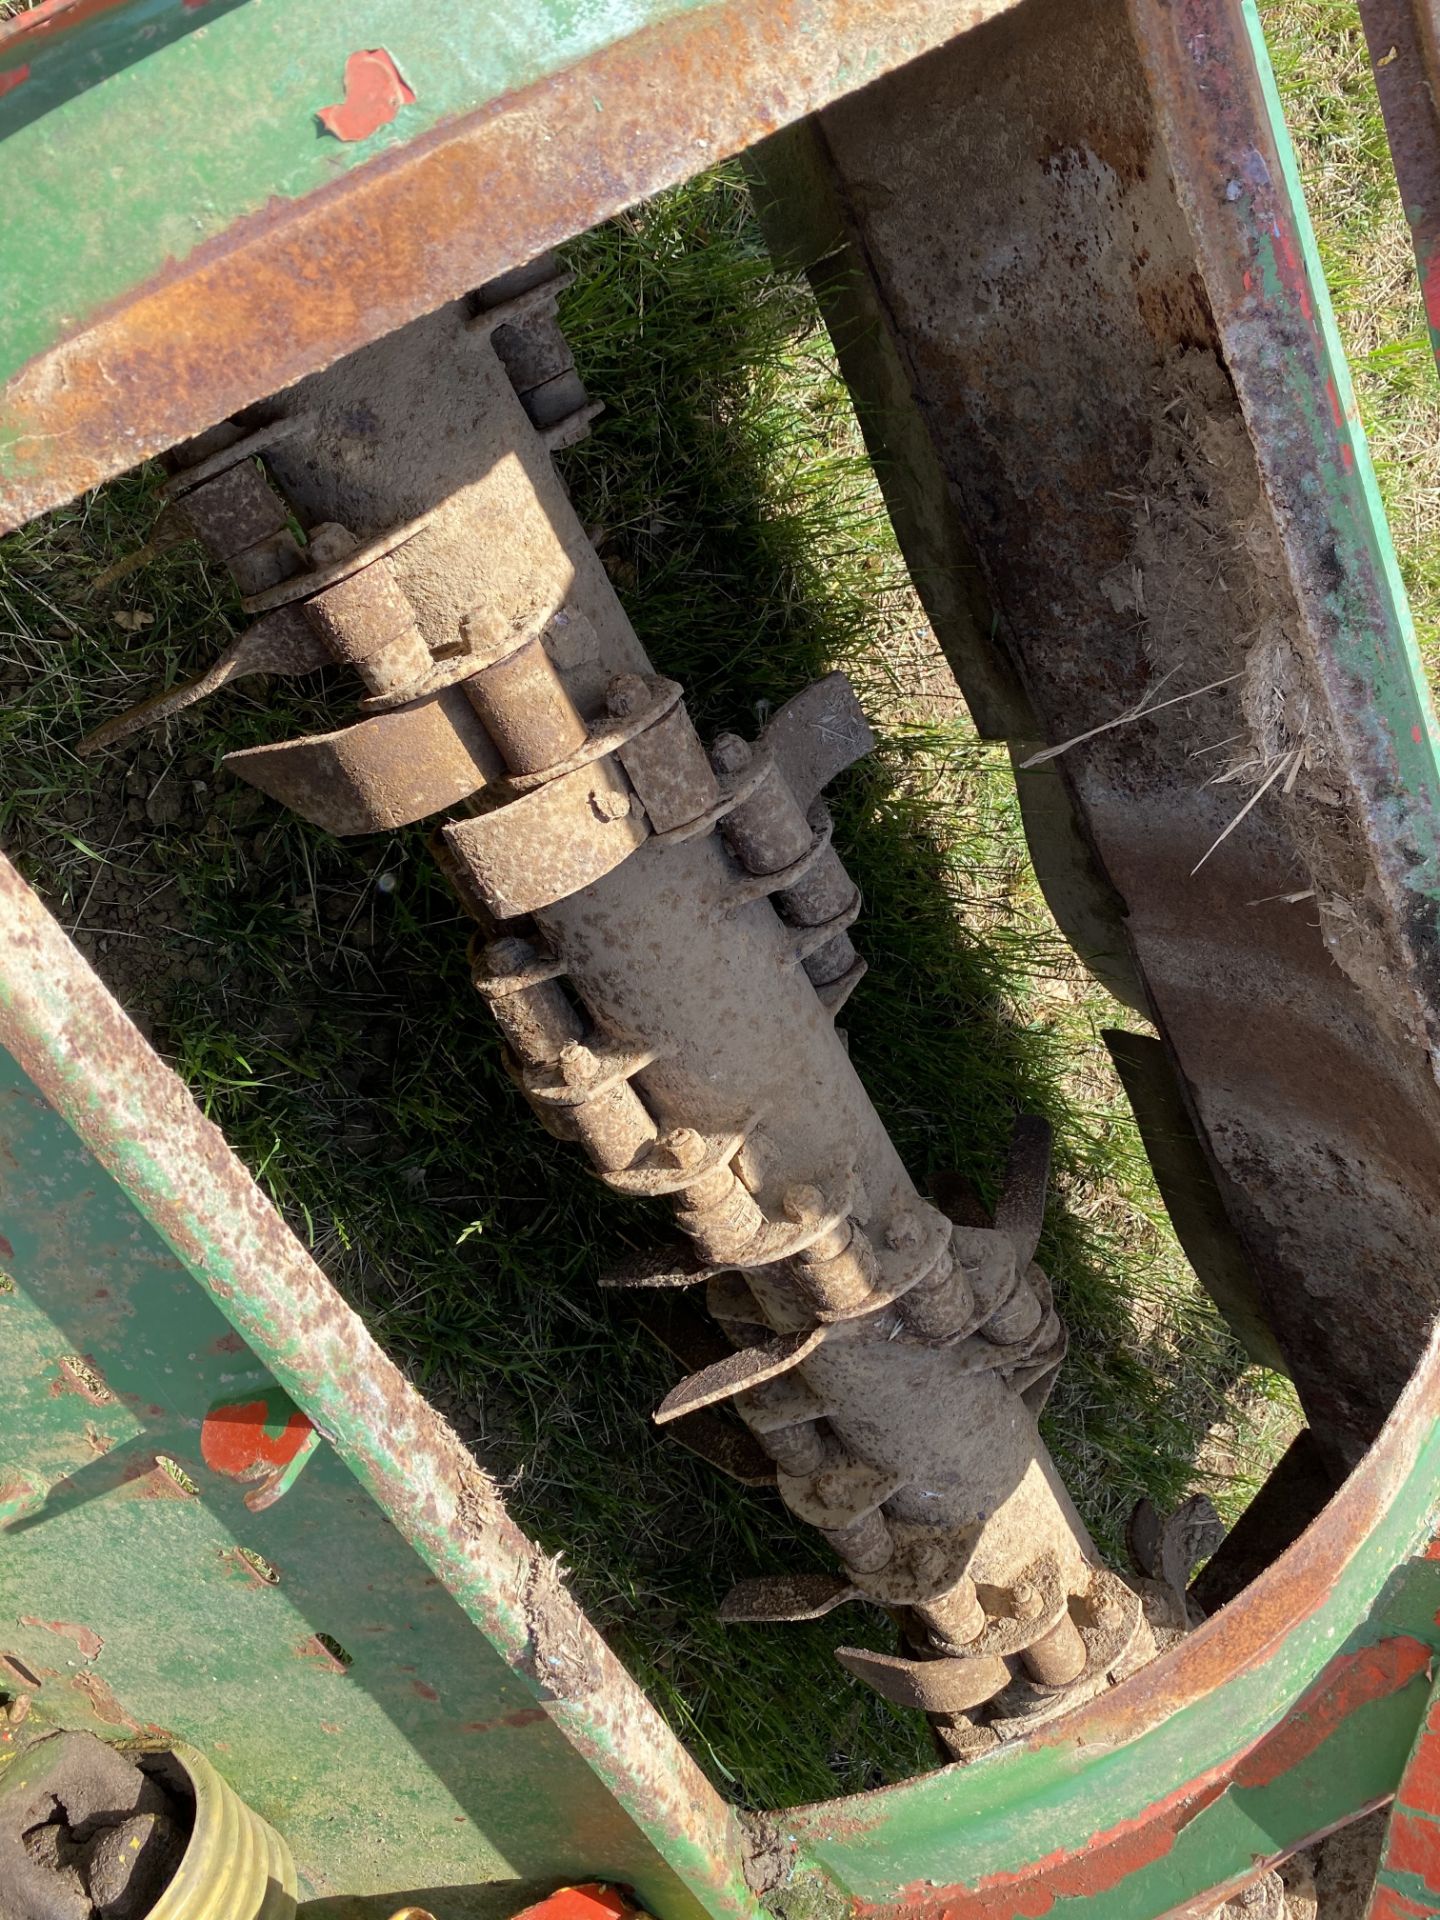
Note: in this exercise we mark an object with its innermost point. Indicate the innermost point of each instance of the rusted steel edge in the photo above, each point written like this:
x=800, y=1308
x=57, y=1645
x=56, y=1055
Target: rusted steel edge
x=1401, y=36
x=75, y=1043
x=1236, y=180
x=1282, y=1668
x=291, y=289
x=52, y=17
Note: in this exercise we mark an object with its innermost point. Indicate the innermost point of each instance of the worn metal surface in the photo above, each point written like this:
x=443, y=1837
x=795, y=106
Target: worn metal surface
x=692, y=1051
x=1407, y=1880
x=1291, y=1711
x=158, y=1612
x=1089, y=274
x=228, y=258
x=380, y=772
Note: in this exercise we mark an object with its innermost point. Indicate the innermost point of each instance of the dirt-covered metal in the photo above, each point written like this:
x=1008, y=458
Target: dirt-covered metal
x=671, y=1014
x=1089, y=341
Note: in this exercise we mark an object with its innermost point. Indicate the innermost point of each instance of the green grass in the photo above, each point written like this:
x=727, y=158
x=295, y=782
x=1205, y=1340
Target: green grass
x=314, y=994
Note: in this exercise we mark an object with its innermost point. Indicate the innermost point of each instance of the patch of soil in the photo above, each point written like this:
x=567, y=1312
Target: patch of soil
x=86, y=1832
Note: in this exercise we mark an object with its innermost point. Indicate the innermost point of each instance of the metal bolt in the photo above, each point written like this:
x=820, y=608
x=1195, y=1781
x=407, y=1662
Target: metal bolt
x=684, y=1146
x=578, y=1065
x=627, y=695
x=507, y=954
x=609, y=804
x=1026, y=1599
x=800, y=1203
x=903, y=1233
x=730, y=754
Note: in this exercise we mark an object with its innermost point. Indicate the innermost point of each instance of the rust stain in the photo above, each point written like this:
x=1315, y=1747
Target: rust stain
x=375, y=91
x=7, y=1252
x=522, y=1717
x=235, y=319
x=228, y=1343
x=78, y=1373
x=87, y=1642
x=105, y=1706
x=424, y=1689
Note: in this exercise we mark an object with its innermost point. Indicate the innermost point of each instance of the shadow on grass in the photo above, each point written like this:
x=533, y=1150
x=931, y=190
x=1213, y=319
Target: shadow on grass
x=315, y=996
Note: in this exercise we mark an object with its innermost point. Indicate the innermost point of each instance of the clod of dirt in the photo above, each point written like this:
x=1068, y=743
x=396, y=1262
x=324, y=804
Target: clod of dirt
x=86, y=1833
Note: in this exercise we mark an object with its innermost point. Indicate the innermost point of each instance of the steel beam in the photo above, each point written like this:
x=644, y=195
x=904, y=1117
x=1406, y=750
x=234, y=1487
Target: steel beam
x=238, y=242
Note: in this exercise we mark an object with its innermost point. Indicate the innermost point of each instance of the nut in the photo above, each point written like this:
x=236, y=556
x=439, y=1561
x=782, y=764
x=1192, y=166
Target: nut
x=684, y=1146
x=578, y=1065
x=903, y=1233
x=1026, y=1599
x=800, y=1203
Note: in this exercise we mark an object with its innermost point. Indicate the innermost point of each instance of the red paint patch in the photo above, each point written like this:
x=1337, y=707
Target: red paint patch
x=233, y=1439
x=1351, y=1681
x=589, y=1902
x=374, y=94
x=16, y=77
x=1417, y=736
x=87, y=1642
x=1412, y=1845
x=1419, y=1790
x=1386, y=1904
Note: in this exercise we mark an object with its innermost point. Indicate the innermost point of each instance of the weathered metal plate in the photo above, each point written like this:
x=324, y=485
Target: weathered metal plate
x=1090, y=275
x=381, y=772
x=481, y=1741
x=547, y=844
x=238, y=243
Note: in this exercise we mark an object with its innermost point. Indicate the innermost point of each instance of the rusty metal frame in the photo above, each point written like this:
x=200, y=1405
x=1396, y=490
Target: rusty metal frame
x=1295, y=1708
x=1290, y=1712
x=585, y=115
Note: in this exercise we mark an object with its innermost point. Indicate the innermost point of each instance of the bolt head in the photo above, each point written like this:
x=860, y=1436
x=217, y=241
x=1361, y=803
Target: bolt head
x=578, y=1065
x=684, y=1146
x=1027, y=1599
x=903, y=1233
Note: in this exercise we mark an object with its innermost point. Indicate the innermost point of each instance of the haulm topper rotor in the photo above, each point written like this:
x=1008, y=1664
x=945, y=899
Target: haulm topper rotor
x=1069, y=277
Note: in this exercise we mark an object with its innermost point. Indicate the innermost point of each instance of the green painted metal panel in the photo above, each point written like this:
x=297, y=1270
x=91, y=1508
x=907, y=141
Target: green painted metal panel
x=472, y=1737
x=425, y=1768
x=149, y=129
